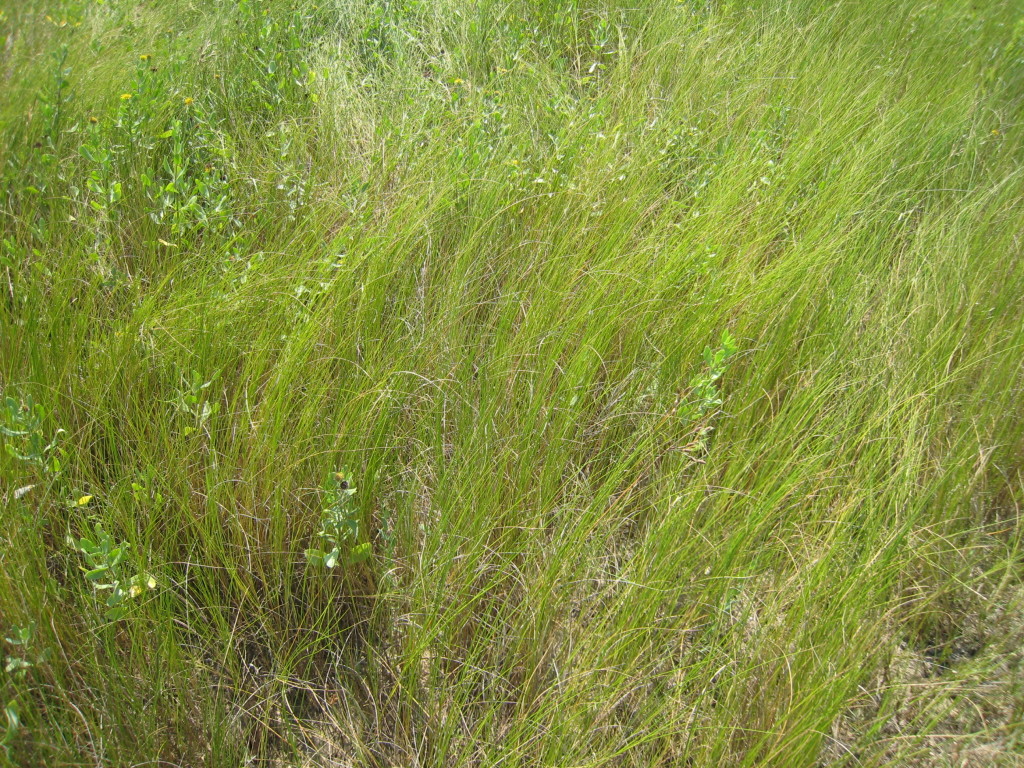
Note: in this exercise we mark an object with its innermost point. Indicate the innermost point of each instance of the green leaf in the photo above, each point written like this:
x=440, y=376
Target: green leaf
x=115, y=614
x=315, y=556
x=25, y=633
x=728, y=342
x=13, y=722
x=359, y=553
x=97, y=573
x=16, y=665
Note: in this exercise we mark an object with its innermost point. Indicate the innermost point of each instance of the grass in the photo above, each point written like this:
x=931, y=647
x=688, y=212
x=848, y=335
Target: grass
x=474, y=253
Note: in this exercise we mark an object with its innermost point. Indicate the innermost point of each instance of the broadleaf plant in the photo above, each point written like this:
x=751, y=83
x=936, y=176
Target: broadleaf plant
x=105, y=558
x=338, y=537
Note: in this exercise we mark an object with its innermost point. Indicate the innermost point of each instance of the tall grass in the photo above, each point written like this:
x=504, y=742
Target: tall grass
x=474, y=252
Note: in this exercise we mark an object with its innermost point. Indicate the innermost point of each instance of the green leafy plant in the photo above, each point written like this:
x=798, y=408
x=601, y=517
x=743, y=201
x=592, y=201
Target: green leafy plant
x=704, y=398
x=193, y=402
x=281, y=73
x=17, y=663
x=106, y=571
x=705, y=395
x=21, y=424
x=144, y=489
x=106, y=191
x=191, y=192
x=22, y=658
x=338, y=537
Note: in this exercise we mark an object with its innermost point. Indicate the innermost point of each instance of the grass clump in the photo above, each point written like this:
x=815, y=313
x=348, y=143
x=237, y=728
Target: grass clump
x=674, y=348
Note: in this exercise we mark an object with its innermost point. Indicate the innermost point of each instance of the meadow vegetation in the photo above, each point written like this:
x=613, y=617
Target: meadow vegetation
x=525, y=383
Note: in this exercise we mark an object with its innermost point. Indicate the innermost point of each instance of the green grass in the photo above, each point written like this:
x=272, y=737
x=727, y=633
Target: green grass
x=473, y=252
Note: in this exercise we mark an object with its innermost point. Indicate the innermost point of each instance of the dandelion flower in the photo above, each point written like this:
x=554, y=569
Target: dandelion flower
x=188, y=101
x=126, y=96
